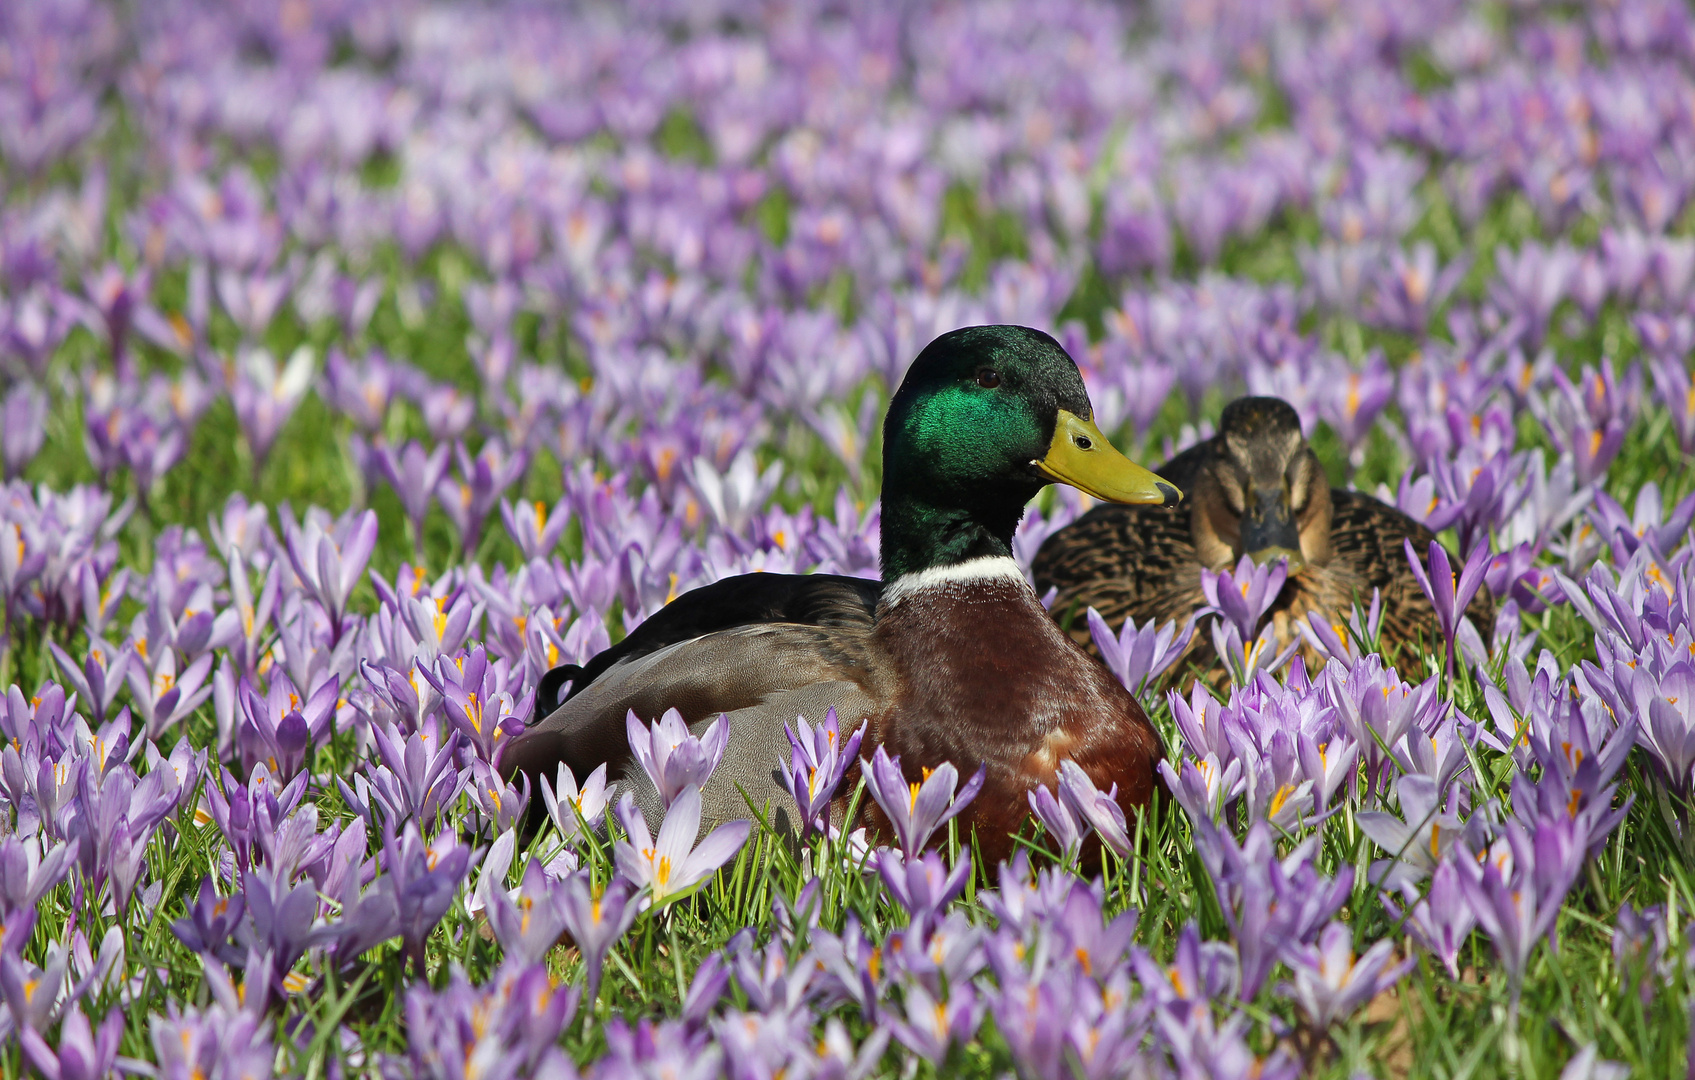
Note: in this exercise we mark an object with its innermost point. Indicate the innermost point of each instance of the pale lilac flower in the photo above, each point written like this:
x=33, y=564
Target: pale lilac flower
x=529, y=920
x=735, y=494
x=1417, y=841
x=573, y=810
x=1062, y=825
x=265, y=397
x=1517, y=888
x=819, y=758
x=597, y=914
x=931, y=1027
x=673, y=757
x=330, y=563
x=23, y=427
x=922, y=884
x=916, y=811
x=1345, y=641
x=1242, y=596
x=534, y=527
x=468, y=498
x=1138, y=656
x=1450, y=593
x=27, y=871
x=1587, y=1064
x=1677, y=394
x=82, y=1053
x=422, y=879
x=413, y=472
x=673, y=866
x=1441, y=921
x=1098, y=809
x=1331, y=983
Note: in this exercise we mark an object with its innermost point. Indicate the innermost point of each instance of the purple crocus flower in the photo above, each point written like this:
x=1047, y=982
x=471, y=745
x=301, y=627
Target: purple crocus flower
x=1351, y=406
x=211, y=922
x=1244, y=595
x=502, y=804
x=534, y=527
x=1449, y=593
x=1417, y=844
x=922, y=884
x=468, y=498
x=673, y=757
x=362, y=389
x=1097, y=809
x=330, y=563
x=414, y=780
x=1648, y=525
x=98, y=678
x=1348, y=641
x=572, y=809
x=1140, y=655
x=35, y=995
x=673, y=866
x=1587, y=1064
x=1588, y=419
x=931, y=1027
x=1331, y=983
x=423, y=879
x=278, y=728
x=1639, y=948
x=265, y=397
x=1270, y=904
x=413, y=472
x=1411, y=287
x=239, y=810
x=477, y=703
x=26, y=872
x=281, y=923
x=448, y=411
x=1677, y=393
x=219, y=1042
x=819, y=758
x=23, y=427
x=529, y=921
x=1441, y=921
x=82, y=1052
x=597, y=914
x=1058, y=819
x=916, y=811
x=1517, y=888
x=1531, y=284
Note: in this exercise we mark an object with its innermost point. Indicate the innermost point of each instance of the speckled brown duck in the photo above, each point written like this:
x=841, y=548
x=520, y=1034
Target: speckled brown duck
x=1255, y=488
x=951, y=658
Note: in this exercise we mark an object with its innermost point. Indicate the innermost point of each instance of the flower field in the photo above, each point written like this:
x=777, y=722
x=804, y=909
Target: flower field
x=363, y=360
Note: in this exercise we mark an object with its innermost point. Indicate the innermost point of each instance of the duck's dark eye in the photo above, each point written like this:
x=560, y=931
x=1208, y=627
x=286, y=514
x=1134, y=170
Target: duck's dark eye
x=988, y=378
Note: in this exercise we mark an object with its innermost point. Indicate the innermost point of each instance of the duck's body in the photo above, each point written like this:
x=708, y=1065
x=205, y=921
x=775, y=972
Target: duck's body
x=1256, y=488
x=951, y=659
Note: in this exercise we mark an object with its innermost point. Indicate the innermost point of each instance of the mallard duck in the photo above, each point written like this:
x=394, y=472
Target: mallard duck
x=1257, y=489
x=950, y=658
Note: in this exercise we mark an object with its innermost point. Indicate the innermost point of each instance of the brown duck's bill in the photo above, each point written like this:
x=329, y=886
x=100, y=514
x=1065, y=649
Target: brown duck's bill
x=1082, y=457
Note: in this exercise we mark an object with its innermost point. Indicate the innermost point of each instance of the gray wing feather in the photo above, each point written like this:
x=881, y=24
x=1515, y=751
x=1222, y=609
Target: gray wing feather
x=760, y=676
x=753, y=760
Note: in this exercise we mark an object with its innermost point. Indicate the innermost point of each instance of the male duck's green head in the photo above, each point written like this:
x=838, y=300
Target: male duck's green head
x=986, y=417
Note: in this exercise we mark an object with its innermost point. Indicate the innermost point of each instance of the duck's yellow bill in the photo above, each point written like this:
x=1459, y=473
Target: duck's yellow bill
x=1082, y=457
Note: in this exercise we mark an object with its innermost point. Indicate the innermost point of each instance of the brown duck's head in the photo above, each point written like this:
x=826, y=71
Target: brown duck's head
x=1262, y=492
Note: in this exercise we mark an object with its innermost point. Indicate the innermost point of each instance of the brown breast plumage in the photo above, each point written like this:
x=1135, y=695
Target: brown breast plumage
x=982, y=675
